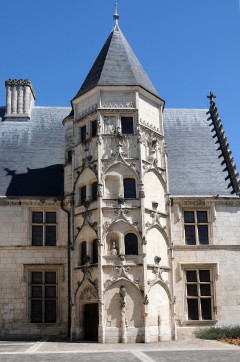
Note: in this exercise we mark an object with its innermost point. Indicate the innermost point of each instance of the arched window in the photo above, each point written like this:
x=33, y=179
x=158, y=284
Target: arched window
x=129, y=186
x=83, y=252
x=95, y=251
x=131, y=244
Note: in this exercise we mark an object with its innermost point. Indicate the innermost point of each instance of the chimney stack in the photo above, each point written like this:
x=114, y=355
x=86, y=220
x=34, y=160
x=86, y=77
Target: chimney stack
x=20, y=98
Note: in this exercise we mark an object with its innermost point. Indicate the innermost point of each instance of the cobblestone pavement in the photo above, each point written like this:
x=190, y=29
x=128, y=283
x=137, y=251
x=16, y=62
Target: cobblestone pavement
x=190, y=350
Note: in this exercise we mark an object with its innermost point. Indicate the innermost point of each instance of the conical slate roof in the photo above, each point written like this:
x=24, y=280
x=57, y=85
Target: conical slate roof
x=117, y=64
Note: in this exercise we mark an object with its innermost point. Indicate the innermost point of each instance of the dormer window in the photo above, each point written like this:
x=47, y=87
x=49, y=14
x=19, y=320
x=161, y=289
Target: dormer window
x=127, y=125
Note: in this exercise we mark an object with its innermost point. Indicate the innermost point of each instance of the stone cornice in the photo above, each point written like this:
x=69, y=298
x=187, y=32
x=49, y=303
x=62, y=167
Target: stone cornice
x=42, y=203
x=184, y=202
x=205, y=247
x=21, y=82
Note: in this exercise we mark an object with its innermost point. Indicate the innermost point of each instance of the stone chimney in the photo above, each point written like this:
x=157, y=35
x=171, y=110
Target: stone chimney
x=20, y=98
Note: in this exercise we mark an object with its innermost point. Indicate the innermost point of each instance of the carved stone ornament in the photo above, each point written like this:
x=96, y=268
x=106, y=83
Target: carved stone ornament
x=156, y=220
x=88, y=293
x=87, y=220
x=121, y=215
x=99, y=190
x=41, y=202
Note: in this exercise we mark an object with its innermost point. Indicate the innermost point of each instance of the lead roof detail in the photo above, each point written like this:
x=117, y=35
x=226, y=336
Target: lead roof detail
x=117, y=65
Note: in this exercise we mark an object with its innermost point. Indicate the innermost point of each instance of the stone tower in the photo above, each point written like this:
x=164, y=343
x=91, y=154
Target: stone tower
x=116, y=180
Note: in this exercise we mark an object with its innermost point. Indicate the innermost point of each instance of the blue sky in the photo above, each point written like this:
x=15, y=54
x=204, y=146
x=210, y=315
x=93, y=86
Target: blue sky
x=187, y=47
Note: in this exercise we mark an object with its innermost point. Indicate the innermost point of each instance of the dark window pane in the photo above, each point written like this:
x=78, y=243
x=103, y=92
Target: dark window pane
x=204, y=275
x=51, y=217
x=36, y=278
x=206, y=306
x=50, y=292
x=193, y=309
x=191, y=276
x=36, y=311
x=192, y=290
x=50, y=311
x=50, y=277
x=36, y=292
x=37, y=217
x=190, y=237
x=205, y=289
x=37, y=235
x=69, y=156
x=82, y=194
x=203, y=234
x=94, y=128
x=127, y=125
x=131, y=244
x=83, y=133
x=95, y=251
x=50, y=235
x=189, y=216
x=83, y=252
x=94, y=191
x=202, y=216
x=129, y=188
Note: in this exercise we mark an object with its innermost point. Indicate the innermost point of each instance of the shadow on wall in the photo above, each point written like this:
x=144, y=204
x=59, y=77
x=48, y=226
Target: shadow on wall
x=47, y=181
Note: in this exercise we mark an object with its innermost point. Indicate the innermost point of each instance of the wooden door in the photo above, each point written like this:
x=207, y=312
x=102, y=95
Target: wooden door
x=91, y=322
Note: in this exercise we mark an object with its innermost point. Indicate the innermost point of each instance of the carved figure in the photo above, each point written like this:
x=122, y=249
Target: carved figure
x=113, y=250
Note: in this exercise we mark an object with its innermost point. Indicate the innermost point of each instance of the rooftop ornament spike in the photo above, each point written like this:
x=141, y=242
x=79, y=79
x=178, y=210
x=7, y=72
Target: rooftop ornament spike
x=116, y=15
x=227, y=154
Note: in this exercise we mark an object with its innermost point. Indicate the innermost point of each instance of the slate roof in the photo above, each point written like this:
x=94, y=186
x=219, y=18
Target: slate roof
x=195, y=163
x=117, y=64
x=32, y=153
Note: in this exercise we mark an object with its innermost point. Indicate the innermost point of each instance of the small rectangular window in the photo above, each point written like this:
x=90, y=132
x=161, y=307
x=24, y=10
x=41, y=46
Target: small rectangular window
x=69, y=156
x=129, y=187
x=127, y=125
x=83, y=131
x=43, y=297
x=94, y=191
x=44, y=228
x=196, y=227
x=94, y=128
x=83, y=194
x=199, y=294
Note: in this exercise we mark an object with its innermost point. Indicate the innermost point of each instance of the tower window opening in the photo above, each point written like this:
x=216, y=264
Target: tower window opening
x=127, y=125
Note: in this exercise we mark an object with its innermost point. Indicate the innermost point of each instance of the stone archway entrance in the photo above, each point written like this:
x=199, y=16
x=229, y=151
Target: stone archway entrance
x=91, y=320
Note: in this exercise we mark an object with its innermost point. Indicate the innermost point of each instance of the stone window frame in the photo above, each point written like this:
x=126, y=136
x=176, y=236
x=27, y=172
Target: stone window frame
x=44, y=224
x=89, y=251
x=89, y=192
x=117, y=126
x=120, y=242
x=88, y=124
x=27, y=272
x=214, y=273
x=179, y=209
x=196, y=224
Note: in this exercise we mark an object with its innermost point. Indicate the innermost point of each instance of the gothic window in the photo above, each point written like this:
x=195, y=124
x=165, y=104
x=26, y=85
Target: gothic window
x=83, y=133
x=131, y=244
x=127, y=125
x=199, y=294
x=43, y=297
x=82, y=194
x=44, y=228
x=83, y=252
x=129, y=187
x=94, y=128
x=196, y=227
x=95, y=251
x=94, y=189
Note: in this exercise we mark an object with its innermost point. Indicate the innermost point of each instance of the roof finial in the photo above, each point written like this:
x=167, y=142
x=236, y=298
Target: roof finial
x=115, y=15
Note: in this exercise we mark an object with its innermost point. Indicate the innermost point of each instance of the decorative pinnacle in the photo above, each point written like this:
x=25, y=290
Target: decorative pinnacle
x=211, y=97
x=115, y=15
